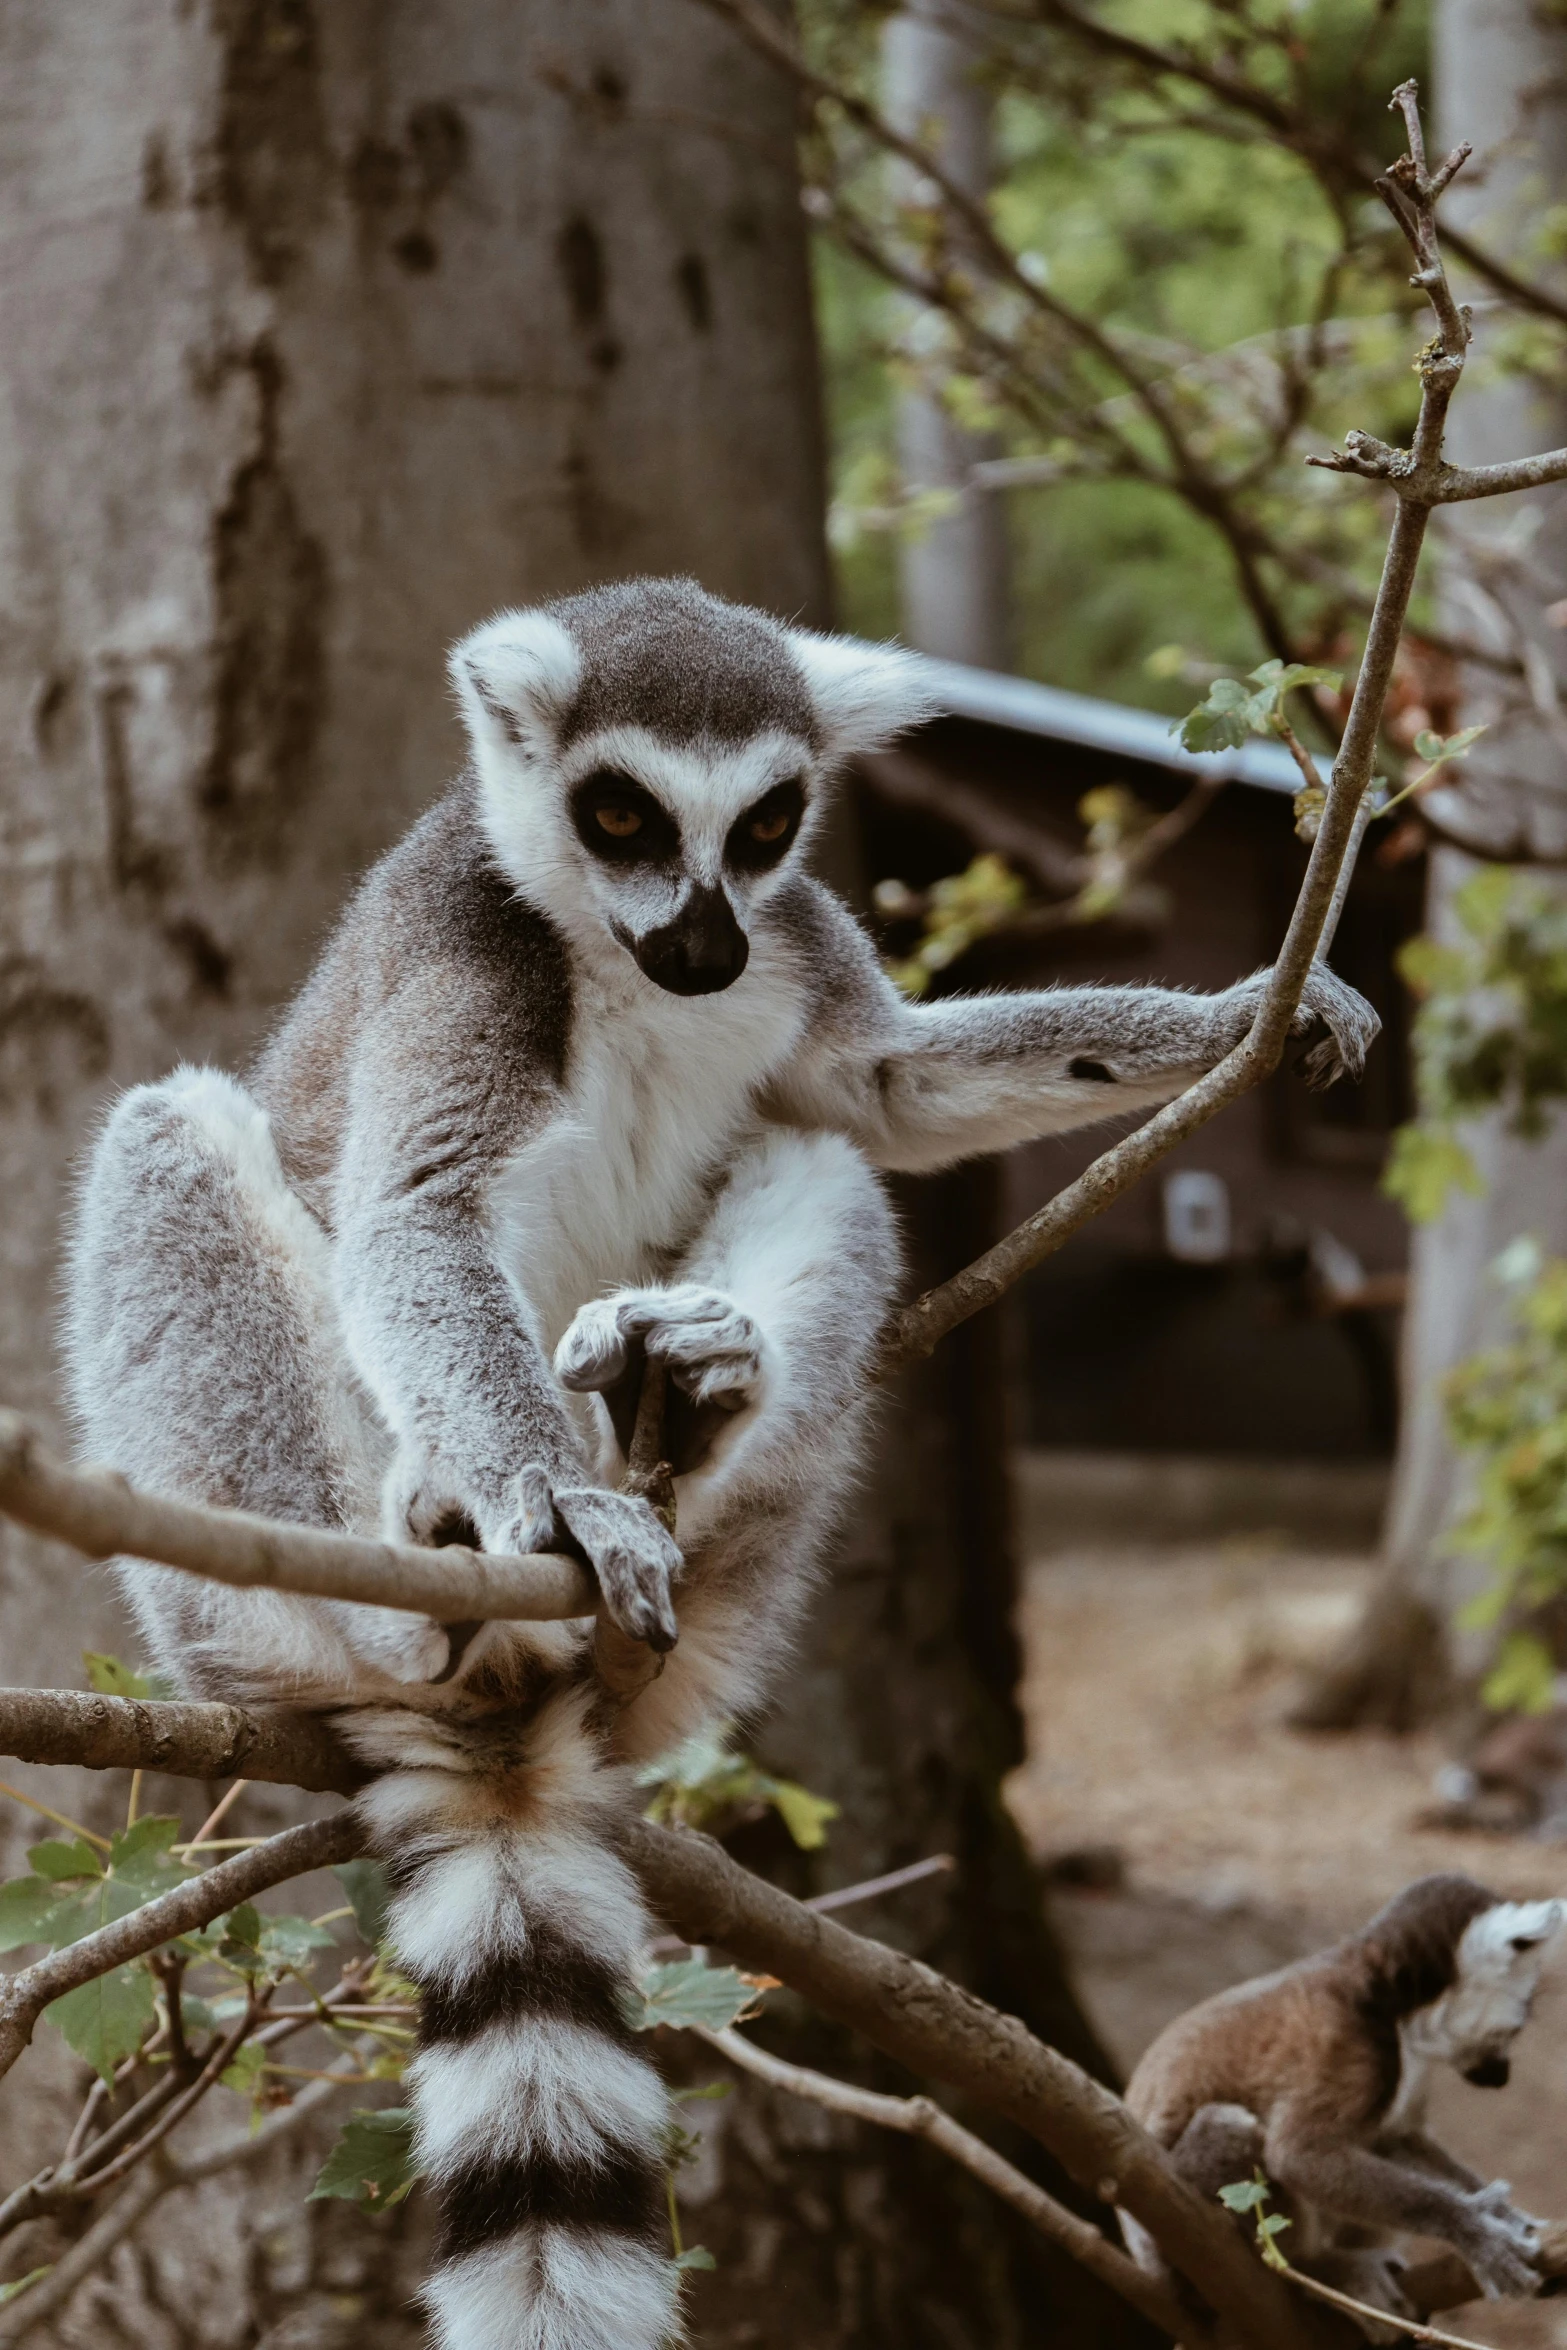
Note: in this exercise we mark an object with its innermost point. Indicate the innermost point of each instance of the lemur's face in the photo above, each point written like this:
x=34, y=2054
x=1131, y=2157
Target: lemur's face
x=652, y=762
x=683, y=843
x=1473, y=2025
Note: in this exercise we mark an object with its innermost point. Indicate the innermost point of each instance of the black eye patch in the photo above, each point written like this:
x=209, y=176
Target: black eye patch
x=766, y=831
x=618, y=819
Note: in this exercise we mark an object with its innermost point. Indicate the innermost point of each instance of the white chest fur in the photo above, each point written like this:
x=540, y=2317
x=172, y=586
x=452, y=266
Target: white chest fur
x=660, y=1091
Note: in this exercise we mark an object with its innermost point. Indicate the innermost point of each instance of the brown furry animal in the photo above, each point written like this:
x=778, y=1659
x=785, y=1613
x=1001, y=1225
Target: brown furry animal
x=1320, y=2074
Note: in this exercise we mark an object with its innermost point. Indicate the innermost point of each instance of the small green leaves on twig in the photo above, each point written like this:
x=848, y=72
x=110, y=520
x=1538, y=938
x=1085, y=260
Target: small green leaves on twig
x=372, y=2163
x=955, y=914
x=1436, y=750
x=687, y=1993
x=704, y=1781
x=1508, y=1411
x=1491, y=1032
x=111, y=1678
x=1231, y=711
x=1254, y=2194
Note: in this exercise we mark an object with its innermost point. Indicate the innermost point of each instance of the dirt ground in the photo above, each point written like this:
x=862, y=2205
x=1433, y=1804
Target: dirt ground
x=1156, y=1684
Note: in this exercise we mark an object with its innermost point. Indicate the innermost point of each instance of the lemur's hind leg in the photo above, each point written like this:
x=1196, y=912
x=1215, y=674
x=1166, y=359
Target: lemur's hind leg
x=768, y=1327
x=206, y=1362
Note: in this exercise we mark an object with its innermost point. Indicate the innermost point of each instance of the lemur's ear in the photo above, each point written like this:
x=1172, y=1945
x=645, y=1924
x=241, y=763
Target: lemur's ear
x=516, y=677
x=863, y=694
x=1529, y=1924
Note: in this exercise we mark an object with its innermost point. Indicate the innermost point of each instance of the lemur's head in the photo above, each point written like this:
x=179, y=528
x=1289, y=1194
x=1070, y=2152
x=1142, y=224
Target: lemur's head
x=652, y=760
x=1460, y=1969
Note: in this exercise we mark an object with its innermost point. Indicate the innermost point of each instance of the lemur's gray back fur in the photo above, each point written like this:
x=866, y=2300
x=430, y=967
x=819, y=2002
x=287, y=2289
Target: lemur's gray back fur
x=591, y=1069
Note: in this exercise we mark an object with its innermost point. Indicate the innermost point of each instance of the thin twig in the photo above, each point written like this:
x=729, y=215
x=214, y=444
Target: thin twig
x=1414, y=2328
x=921, y=2117
x=164, y=2175
x=24, y=1996
x=848, y=1896
x=220, y=1812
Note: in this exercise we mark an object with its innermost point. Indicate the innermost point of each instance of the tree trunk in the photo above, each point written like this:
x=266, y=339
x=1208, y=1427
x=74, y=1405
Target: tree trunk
x=1501, y=77
x=325, y=332
x=952, y=563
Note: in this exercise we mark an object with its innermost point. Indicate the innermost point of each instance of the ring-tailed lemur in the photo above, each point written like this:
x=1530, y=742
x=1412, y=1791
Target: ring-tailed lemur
x=591, y=1069
x=1321, y=2073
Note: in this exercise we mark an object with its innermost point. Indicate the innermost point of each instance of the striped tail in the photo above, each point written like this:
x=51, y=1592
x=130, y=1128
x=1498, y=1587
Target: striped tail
x=539, y=2122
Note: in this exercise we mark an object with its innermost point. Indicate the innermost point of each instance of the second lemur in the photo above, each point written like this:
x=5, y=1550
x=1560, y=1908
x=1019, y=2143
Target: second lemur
x=1320, y=2074
x=593, y=1070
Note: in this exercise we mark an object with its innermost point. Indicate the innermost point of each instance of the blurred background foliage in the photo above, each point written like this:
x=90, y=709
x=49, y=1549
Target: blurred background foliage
x=1159, y=218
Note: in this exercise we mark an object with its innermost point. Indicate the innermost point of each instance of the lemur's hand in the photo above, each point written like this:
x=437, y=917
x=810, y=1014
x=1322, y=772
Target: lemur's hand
x=1351, y=1023
x=1497, y=2240
x=714, y=1351
x=633, y=1556
x=1496, y=2200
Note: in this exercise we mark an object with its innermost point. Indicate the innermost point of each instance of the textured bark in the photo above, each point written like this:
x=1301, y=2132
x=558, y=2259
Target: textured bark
x=323, y=332
x=1501, y=80
x=953, y=569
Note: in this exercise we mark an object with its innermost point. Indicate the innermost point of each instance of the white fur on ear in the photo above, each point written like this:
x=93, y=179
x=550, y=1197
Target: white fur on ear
x=515, y=677
x=863, y=694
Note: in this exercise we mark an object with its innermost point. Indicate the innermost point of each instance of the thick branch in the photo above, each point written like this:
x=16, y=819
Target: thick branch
x=921, y=2117
x=945, y=2033
x=99, y=1513
x=24, y=1996
x=902, y=2007
x=191, y=1741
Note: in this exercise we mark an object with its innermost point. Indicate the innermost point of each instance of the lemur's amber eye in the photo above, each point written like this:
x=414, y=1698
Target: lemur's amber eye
x=619, y=823
x=772, y=826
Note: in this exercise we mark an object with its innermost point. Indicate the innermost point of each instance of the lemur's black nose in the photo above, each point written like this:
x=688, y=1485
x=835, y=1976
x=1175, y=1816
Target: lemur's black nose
x=1492, y=2072
x=702, y=950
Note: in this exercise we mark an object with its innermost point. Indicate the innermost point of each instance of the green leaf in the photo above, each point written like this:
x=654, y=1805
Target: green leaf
x=141, y=1863
x=369, y=1891
x=1245, y=2194
x=694, y=2256
x=243, y=1925
x=249, y=2062
x=1221, y=721
x=289, y=1943
x=372, y=2162
x=111, y=1678
x=61, y=1863
x=1437, y=749
x=196, y=2013
x=804, y=1815
x=28, y=1909
x=687, y=1991
x=106, y=2020
x=1423, y=1166
x=1523, y=1678
x=20, y=2284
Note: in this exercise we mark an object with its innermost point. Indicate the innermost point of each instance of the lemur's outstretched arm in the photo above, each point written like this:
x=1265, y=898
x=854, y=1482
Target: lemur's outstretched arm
x=439, y=1335
x=1350, y=2182
x=918, y=1086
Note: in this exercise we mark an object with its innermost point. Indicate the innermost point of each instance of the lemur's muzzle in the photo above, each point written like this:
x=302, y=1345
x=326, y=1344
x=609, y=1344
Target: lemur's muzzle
x=702, y=950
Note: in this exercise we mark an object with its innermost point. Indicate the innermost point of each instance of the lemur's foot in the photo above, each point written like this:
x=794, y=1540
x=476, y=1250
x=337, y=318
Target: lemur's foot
x=714, y=1351
x=633, y=1556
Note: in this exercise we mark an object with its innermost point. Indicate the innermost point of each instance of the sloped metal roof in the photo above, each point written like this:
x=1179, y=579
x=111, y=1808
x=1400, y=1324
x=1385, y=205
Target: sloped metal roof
x=995, y=699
